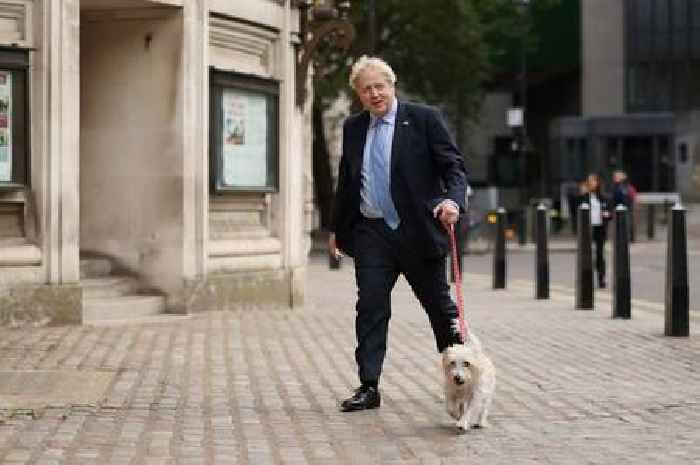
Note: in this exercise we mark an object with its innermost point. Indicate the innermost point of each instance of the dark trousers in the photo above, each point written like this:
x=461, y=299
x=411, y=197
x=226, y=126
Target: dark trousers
x=381, y=255
x=599, y=237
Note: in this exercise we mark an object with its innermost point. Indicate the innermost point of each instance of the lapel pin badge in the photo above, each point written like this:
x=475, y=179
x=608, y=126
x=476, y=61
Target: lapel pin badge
x=404, y=123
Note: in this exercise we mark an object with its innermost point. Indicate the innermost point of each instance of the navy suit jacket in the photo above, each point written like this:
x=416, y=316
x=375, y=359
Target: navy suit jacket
x=426, y=168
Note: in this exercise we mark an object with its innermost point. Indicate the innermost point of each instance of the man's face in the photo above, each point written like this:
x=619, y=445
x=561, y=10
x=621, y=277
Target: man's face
x=375, y=92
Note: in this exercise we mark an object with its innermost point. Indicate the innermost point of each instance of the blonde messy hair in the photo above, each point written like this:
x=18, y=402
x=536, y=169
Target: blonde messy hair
x=365, y=62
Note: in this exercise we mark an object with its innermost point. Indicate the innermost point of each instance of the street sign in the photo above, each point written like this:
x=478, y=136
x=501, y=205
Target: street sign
x=514, y=117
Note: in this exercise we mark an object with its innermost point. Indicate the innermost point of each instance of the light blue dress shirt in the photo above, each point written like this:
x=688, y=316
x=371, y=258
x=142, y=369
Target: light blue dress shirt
x=367, y=204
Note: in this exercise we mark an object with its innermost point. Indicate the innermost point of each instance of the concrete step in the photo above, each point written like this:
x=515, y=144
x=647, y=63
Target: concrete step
x=111, y=286
x=122, y=308
x=95, y=268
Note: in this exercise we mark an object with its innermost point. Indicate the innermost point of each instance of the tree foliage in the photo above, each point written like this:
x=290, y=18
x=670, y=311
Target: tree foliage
x=442, y=51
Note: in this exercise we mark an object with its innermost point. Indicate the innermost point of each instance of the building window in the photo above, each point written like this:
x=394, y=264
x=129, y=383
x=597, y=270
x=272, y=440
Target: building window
x=244, y=151
x=14, y=153
x=662, y=46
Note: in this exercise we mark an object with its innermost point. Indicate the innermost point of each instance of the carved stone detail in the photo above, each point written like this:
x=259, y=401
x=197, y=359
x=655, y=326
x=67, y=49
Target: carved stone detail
x=242, y=47
x=15, y=22
x=239, y=234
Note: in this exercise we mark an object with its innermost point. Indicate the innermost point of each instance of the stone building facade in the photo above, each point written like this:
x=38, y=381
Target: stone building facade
x=152, y=158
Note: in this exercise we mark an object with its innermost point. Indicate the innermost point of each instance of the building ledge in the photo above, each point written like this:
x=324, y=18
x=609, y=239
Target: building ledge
x=16, y=252
x=243, y=247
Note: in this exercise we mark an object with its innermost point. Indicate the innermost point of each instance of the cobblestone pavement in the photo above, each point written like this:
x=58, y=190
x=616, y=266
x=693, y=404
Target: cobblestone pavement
x=261, y=386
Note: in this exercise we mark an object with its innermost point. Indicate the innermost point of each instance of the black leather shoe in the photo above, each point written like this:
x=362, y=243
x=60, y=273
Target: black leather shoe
x=365, y=398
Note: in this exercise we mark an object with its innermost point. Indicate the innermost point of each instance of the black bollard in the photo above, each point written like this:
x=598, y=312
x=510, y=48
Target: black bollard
x=622, y=294
x=542, y=261
x=651, y=217
x=677, y=301
x=584, y=259
x=499, y=251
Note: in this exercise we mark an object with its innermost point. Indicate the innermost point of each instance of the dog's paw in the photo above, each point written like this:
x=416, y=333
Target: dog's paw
x=483, y=424
x=463, y=426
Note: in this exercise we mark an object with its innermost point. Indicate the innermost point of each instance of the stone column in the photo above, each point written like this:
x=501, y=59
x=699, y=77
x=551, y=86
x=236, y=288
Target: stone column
x=194, y=118
x=294, y=147
x=61, y=59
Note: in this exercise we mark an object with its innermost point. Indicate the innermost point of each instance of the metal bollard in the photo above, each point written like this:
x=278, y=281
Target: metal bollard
x=677, y=300
x=542, y=260
x=621, y=266
x=584, y=259
x=499, y=251
x=651, y=217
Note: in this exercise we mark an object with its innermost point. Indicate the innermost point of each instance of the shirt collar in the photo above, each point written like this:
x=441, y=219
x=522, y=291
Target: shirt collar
x=390, y=117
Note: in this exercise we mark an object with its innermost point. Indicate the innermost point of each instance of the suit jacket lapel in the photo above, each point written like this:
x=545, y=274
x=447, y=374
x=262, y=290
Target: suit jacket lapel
x=401, y=128
x=359, y=138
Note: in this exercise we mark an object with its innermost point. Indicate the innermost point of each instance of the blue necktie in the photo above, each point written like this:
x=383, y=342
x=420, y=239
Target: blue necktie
x=379, y=165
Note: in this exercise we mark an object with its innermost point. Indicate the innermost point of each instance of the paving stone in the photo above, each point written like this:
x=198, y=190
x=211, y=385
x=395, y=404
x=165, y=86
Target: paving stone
x=17, y=455
x=262, y=386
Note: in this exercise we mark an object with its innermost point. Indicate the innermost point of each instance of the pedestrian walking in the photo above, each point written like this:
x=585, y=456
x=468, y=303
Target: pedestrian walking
x=624, y=193
x=401, y=182
x=599, y=203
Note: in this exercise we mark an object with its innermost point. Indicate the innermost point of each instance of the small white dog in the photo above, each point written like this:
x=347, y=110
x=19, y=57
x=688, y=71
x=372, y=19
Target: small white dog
x=470, y=380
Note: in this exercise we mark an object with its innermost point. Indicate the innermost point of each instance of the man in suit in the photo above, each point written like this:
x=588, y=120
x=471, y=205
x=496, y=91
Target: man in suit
x=401, y=183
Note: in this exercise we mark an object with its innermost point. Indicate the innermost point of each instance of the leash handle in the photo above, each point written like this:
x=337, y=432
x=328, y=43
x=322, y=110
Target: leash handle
x=458, y=283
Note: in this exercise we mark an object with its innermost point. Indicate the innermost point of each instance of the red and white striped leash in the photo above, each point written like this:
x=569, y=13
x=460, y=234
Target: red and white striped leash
x=458, y=284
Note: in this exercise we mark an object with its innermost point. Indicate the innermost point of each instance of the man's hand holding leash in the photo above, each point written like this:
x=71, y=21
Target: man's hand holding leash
x=447, y=212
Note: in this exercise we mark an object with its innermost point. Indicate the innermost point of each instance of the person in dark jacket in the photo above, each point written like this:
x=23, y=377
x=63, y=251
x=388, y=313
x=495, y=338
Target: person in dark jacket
x=624, y=193
x=600, y=208
x=401, y=183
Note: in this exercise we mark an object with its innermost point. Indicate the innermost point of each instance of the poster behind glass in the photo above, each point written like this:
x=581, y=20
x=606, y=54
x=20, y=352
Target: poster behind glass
x=5, y=126
x=245, y=139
